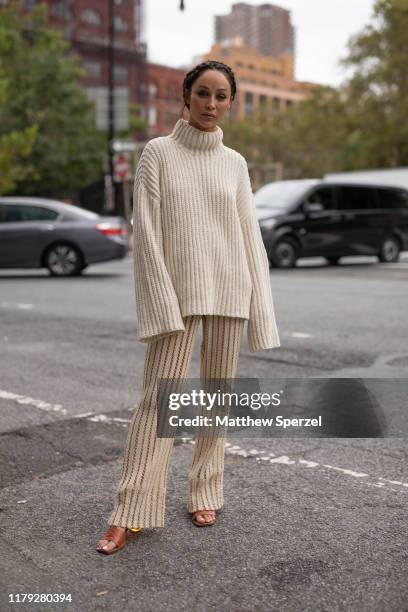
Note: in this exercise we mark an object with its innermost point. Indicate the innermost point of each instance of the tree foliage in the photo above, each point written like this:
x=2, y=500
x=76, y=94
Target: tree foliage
x=49, y=143
x=361, y=124
x=378, y=89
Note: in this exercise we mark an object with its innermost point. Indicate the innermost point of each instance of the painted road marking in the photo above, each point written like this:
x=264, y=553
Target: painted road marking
x=286, y=460
x=350, y=472
x=232, y=449
x=300, y=335
x=22, y=305
x=31, y=401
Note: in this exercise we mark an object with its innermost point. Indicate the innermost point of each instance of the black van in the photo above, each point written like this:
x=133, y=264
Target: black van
x=313, y=217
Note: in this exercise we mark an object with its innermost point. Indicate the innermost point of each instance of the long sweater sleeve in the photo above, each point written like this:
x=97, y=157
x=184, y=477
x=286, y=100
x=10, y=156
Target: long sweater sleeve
x=157, y=307
x=262, y=331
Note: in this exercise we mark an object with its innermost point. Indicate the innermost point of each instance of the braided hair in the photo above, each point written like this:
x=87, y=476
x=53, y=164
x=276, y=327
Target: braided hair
x=195, y=72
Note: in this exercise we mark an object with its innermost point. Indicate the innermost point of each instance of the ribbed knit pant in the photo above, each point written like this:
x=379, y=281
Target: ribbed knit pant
x=140, y=495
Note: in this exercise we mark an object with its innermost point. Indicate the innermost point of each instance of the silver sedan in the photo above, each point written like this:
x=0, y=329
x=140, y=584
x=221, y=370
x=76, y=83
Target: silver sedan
x=64, y=238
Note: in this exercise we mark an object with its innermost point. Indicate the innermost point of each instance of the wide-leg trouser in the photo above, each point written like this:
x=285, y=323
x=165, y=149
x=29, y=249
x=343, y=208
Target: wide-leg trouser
x=140, y=495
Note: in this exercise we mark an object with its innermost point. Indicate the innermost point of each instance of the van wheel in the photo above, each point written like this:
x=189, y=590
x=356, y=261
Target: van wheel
x=333, y=261
x=63, y=260
x=390, y=250
x=284, y=253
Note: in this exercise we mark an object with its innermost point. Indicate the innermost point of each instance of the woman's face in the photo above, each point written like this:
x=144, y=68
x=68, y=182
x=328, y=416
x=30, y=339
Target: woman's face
x=211, y=94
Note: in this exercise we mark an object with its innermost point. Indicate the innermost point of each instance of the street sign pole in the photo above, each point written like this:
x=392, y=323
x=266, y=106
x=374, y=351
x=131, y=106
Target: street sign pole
x=122, y=174
x=126, y=204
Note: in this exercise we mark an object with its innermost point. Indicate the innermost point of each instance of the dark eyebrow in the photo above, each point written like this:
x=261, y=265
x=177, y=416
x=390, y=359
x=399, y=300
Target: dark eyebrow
x=219, y=89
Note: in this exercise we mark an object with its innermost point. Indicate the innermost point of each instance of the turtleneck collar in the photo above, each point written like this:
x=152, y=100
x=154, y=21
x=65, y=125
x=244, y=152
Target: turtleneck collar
x=193, y=138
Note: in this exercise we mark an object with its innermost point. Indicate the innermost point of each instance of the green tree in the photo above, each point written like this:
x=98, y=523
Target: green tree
x=378, y=89
x=361, y=124
x=15, y=147
x=320, y=133
x=43, y=110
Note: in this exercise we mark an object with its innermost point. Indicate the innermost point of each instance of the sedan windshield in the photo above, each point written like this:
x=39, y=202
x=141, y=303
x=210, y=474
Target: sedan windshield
x=281, y=194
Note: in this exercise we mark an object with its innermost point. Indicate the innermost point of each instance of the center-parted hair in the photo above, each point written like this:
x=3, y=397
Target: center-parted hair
x=195, y=72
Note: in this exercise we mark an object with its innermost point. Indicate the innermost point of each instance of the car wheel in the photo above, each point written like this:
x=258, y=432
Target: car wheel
x=64, y=260
x=333, y=261
x=390, y=250
x=284, y=253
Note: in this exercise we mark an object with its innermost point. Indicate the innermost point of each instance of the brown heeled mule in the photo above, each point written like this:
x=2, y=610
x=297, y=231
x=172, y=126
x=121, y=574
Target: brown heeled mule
x=118, y=536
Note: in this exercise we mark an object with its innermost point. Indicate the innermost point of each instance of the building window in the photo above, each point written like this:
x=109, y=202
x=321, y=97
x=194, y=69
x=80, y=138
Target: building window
x=121, y=74
x=172, y=93
x=142, y=91
x=276, y=105
x=289, y=104
x=120, y=24
x=91, y=17
x=99, y=95
x=93, y=69
x=152, y=92
x=61, y=10
x=152, y=116
x=249, y=103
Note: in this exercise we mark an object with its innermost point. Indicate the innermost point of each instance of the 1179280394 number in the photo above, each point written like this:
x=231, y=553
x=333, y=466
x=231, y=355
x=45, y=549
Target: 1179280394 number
x=39, y=597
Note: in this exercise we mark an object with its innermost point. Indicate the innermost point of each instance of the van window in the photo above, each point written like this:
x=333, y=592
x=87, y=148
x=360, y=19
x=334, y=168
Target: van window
x=393, y=198
x=323, y=196
x=352, y=198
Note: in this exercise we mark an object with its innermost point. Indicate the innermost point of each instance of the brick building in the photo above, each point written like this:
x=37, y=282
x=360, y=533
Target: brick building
x=85, y=24
x=164, y=98
x=262, y=81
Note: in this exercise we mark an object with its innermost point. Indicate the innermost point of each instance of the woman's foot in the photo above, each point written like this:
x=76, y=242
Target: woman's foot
x=202, y=518
x=114, y=539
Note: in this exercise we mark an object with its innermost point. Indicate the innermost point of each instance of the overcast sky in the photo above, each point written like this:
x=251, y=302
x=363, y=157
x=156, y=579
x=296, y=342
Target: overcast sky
x=323, y=27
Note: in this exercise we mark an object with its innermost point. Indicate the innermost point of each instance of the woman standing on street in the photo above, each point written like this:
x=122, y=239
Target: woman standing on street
x=198, y=256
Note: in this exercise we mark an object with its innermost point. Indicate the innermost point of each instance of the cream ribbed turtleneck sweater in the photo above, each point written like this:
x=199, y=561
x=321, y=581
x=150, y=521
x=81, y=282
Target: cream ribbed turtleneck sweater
x=197, y=244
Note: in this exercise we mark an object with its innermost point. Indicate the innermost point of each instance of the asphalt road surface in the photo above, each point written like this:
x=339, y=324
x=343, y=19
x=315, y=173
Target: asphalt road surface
x=308, y=524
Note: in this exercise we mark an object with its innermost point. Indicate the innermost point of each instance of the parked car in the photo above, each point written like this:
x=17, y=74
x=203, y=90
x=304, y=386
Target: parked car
x=44, y=233
x=313, y=217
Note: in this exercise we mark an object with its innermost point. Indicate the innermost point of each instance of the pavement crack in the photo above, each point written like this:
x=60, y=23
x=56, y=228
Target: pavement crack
x=58, y=449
